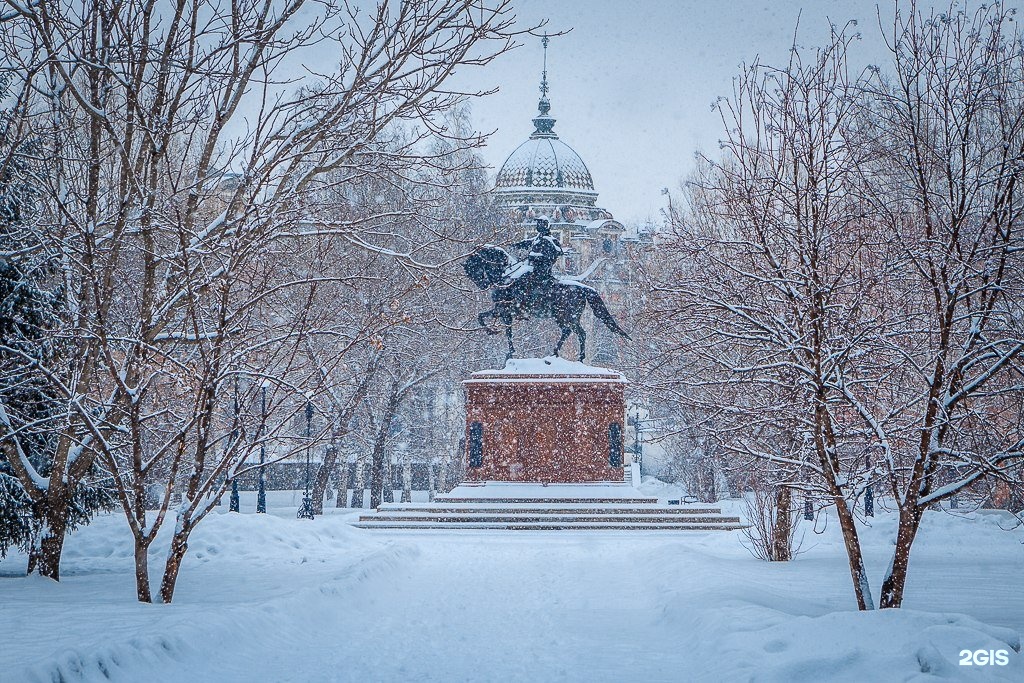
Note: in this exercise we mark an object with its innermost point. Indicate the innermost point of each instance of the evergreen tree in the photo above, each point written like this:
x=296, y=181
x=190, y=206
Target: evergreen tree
x=22, y=317
x=17, y=524
x=32, y=417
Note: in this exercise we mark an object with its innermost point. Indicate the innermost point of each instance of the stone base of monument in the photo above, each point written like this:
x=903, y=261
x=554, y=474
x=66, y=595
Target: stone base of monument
x=545, y=420
x=544, y=451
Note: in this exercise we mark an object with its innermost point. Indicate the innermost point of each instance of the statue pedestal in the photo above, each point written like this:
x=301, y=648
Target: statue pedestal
x=545, y=420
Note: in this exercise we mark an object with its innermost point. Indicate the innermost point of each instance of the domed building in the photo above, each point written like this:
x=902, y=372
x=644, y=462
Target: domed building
x=544, y=176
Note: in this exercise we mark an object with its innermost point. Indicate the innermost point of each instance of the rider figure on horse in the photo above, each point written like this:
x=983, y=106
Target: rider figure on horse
x=544, y=251
x=529, y=289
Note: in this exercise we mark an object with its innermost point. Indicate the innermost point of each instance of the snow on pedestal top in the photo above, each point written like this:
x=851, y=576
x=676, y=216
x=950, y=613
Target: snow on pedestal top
x=550, y=365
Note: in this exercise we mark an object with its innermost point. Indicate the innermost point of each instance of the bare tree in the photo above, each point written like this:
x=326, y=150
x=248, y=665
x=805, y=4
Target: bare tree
x=399, y=379
x=190, y=170
x=773, y=522
x=852, y=286
x=768, y=307
x=47, y=477
x=944, y=131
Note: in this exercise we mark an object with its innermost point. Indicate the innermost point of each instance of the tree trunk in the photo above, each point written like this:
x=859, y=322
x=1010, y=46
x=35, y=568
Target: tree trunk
x=323, y=473
x=50, y=549
x=377, y=459
x=179, y=546
x=857, y=571
x=377, y=470
x=406, y=481
x=431, y=484
x=456, y=466
x=44, y=559
x=342, y=484
x=444, y=475
x=896, y=577
x=826, y=448
x=142, y=571
x=360, y=484
x=388, y=492
x=34, y=555
x=782, y=531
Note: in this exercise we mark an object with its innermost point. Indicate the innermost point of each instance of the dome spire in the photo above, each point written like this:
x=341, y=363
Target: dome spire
x=544, y=124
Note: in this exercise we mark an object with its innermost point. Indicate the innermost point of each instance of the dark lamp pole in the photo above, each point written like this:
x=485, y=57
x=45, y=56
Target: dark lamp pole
x=638, y=446
x=808, y=505
x=261, y=477
x=233, y=505
x=306, y=510
x=869, y=493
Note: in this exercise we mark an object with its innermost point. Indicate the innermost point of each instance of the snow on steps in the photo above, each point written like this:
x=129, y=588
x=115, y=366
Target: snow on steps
x=552, y=514
x=589, y=507
x=523, y=506
x=549, y=501
x=546, y=520
x=541, y=526
x=541, y=517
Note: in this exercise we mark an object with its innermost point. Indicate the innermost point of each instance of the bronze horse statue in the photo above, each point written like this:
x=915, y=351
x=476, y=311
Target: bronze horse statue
x=518, y=297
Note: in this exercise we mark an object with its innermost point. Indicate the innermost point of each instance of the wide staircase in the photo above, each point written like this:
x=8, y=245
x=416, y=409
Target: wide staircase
x=535, y=507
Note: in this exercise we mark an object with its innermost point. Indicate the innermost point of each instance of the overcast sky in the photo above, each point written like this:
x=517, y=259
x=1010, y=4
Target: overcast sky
x=632, y=84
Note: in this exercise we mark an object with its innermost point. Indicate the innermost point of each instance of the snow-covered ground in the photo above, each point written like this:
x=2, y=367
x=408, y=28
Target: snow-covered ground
x=273, y=598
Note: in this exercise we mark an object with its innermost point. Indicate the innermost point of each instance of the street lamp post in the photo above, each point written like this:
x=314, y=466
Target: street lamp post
x=808, y=504
x=234, y=506
x=306, y=510
x=869, y=493
x=640, y=426
x=261, y=477
x=638, y=447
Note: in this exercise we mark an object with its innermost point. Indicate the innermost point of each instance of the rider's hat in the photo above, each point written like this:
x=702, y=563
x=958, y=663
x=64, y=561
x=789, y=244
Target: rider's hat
x=544, y=225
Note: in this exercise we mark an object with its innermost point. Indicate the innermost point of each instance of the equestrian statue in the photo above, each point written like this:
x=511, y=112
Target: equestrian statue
x=528, y=289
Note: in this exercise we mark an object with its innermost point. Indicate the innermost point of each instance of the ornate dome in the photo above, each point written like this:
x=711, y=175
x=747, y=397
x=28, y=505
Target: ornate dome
x=546, y=177
x=544, y=161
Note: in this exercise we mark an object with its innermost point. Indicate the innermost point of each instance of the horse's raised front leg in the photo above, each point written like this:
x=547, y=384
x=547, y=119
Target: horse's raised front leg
x=483, y=317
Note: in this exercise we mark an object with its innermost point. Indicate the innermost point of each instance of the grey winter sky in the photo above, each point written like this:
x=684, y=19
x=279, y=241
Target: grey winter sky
x=632, y=84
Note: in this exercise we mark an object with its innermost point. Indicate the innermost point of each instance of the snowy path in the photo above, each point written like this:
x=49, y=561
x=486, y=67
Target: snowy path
x=277, y=599
x=506, y=608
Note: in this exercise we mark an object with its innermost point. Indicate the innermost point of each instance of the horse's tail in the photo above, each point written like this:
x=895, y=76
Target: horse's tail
x=602, y=313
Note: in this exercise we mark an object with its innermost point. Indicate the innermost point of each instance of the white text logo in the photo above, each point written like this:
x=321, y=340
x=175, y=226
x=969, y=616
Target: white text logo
x=984, y=657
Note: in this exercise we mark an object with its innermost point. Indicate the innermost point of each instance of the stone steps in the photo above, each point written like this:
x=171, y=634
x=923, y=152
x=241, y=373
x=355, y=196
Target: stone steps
x=582, y=509
x=539, y=507
x=545, y=517
x=543, y=526
x=550, y=501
